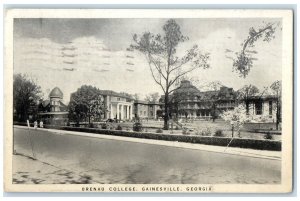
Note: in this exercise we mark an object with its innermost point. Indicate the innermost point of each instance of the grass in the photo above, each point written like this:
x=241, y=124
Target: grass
x=225, y=127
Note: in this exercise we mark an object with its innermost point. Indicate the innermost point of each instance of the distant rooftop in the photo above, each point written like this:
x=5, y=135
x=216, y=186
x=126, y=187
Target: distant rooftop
x=113, y=93
x=146, y=102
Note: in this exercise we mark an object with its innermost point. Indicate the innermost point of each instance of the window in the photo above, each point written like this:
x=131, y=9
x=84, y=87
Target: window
x=270, y=107
x=258, y=108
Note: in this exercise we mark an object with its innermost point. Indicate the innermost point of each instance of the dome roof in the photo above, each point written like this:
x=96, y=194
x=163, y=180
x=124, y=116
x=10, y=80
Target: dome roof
x=56, y=93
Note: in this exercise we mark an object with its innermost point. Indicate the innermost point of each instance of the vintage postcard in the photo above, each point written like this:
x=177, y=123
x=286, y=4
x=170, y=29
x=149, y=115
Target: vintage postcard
x=145, y=100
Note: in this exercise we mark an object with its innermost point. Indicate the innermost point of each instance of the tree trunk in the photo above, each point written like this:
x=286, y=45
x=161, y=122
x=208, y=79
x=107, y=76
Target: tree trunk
x=166, y=116
x=277, y=115
x=247, y=107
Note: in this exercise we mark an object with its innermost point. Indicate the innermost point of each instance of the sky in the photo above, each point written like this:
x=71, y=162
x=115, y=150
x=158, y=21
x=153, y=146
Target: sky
x=68, y=53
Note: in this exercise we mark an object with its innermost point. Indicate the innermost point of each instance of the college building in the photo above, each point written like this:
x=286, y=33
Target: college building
x=186, y=102
x=146, y=110
x=189, y=102
x=53, y=110
x=118, y=105
x=122, y=106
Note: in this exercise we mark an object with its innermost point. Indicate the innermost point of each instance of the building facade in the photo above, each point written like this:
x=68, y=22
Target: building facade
x=188, y=102
x=53, y=110
x=263, y=109
x=119, y=106
x=145, y=109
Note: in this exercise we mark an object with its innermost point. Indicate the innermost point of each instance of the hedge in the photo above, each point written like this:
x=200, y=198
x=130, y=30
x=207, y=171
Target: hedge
x=207, y=140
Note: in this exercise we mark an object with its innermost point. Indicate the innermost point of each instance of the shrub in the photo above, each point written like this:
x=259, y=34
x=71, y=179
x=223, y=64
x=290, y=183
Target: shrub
x=204, y=132
x=177, y=128
x=119, y=127
x=219, y=133
x=159, y=130
x=104, y=126
x=185, y=131
x=137, y=126
x=237, y=142
x=268, y=136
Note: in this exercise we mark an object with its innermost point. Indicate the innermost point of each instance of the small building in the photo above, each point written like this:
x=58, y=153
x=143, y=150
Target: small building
x=53, y=111
x=145, y=109
x=263, y=108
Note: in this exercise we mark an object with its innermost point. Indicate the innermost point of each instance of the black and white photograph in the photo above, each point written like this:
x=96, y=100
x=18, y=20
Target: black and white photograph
x=148, y=100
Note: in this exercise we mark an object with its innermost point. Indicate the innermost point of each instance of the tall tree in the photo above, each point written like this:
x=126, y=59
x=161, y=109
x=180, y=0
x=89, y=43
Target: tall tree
x=166, y=66
x=86, y=103
x=276, y=88
x=26, y=94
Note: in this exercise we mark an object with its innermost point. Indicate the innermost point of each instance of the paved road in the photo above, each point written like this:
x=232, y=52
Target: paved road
x=114, y=161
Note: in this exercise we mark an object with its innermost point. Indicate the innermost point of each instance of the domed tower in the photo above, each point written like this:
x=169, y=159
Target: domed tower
x=55, y=96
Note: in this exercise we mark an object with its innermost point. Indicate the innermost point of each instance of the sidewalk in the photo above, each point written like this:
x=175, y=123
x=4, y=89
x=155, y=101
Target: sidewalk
x=26, y=170
x=274, y=155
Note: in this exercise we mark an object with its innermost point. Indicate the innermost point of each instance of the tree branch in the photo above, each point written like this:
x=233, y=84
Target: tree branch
x=252, y=37
x=158, y=68
x=155, y=79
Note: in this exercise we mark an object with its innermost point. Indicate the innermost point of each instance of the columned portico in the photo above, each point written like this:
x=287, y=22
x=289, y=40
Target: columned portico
x=121, y=111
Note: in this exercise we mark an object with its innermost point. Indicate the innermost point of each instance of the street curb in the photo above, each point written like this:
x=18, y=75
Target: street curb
x=264, y=154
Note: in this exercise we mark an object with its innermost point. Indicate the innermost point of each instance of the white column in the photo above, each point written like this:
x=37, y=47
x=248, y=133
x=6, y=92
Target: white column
x=122, y=111
x=127, y=111
x=111, y=111
x=118, y=111
x=130, y=112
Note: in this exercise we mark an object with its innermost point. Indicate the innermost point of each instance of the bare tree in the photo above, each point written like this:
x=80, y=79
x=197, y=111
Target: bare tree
x=214, y=85
x=136, y=96
x=246, y=93
x=152, y=97
x=165, y=65
x=276, y=87
x=244, y=58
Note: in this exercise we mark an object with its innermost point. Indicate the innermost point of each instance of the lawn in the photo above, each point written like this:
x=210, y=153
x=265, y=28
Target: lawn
x=204, y=128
